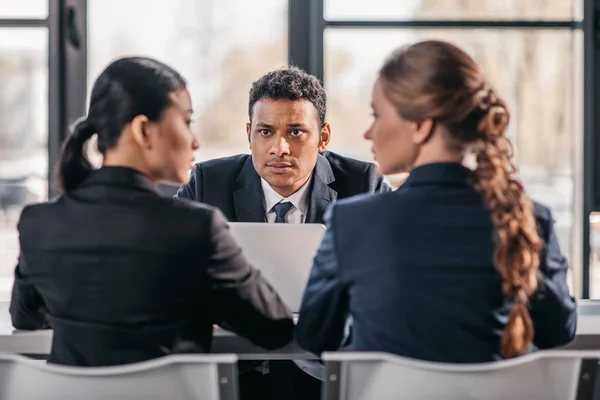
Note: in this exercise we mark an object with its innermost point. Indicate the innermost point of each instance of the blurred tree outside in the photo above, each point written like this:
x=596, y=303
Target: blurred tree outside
x=16, y=132
x=535, y=71
x=532, y=69
x=222, y=122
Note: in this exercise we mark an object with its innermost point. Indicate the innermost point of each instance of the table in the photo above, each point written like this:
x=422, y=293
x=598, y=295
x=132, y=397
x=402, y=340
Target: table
x=37, y=343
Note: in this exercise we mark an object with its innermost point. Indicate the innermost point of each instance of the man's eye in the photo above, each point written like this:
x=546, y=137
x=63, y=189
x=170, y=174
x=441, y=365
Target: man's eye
x=296, y=132
x=264, y=132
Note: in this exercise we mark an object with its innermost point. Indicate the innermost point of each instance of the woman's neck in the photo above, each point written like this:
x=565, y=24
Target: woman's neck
x=118, y=159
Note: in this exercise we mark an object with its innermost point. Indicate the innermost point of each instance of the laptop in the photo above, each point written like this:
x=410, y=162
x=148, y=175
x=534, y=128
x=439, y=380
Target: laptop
x=282, y=252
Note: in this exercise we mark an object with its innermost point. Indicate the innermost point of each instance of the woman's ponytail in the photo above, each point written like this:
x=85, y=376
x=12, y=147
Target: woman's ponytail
x=438, y=81
x=518, y=244
x=74, y=166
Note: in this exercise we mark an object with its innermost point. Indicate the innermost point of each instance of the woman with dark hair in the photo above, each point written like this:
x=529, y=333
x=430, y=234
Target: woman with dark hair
x=458, y=265
x=118, y=272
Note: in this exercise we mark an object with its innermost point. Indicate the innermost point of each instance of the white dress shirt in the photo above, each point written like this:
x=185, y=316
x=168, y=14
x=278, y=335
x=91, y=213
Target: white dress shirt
x=299, y=200
x=296, y=215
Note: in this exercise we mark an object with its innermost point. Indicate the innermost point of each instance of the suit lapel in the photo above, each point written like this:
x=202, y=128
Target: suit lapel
x=321, y=194
x=248, y=199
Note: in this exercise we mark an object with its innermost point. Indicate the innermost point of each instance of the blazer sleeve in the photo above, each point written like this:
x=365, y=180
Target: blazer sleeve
x=553, y=310
x=243, y=300
x=193, y=189
x=27, y=308
x=375, y=183
x=324, y=309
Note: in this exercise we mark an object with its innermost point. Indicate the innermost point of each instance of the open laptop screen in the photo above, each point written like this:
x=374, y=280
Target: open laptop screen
x=282, y=252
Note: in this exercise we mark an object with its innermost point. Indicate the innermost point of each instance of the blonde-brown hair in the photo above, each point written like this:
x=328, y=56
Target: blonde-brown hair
x=436, y=80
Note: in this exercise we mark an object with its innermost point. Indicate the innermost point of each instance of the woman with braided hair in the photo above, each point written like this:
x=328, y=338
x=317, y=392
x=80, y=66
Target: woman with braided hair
x=458, y=265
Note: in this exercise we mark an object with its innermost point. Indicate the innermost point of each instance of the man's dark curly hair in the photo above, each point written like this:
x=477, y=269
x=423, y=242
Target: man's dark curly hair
x=289, y=84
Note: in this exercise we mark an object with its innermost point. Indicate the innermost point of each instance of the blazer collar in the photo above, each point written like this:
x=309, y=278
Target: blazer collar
x=122, y=177
x=321, y=193
x=249, y=198
x=443, y=173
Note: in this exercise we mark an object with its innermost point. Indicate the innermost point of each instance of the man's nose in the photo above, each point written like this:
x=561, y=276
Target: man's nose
x=280, y=147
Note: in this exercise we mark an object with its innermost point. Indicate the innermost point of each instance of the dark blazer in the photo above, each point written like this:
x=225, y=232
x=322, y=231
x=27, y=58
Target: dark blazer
x=233, y=185
x=125, y=275
x=414, y=270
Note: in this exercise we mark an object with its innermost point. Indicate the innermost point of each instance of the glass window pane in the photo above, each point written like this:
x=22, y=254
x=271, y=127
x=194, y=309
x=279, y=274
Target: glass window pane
x=24, y=9
x=23, y=135
x=535, y=72
x=453, y=9
x=219, y=46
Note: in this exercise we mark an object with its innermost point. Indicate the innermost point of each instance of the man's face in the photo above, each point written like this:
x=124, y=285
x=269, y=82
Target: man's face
x=285, y=138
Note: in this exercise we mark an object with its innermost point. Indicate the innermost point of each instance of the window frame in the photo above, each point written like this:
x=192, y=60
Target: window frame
x=66, y=25
x=67, y=66
x=306, y=50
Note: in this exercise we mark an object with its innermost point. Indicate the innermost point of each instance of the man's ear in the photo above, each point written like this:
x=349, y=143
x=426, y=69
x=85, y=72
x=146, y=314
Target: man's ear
x=248, y=127
x=140, y=130
x=325, y=137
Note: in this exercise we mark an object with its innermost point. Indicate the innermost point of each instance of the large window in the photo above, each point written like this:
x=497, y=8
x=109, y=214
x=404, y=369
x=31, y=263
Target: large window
x=537, y=70
x=544, y=10
x=532, y=70
x=219, y=46
x=23, y=127
x=37, y=9
x=531, y=51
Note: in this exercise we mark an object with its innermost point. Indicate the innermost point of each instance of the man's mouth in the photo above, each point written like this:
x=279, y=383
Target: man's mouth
x=279, y=167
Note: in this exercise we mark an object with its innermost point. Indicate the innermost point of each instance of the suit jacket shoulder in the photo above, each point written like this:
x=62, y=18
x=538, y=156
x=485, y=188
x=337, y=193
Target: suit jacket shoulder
x=215, y=181
x=219, y=172
x=224, y=165
x=359, y=210
x=353, y=177
x=210, y=174
x=342, y=165
x=542, y=213
x=55, y=216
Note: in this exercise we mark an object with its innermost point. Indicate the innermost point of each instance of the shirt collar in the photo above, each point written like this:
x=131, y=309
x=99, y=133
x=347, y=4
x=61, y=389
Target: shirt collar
x=299, y=199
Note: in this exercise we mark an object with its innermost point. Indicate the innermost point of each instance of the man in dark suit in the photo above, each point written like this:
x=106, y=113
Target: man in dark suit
x=233, y=185
x=290, y=177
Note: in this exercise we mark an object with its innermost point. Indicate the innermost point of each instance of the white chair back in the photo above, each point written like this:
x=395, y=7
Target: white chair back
x=554, y=374
x=588, y=317
x=177, y=377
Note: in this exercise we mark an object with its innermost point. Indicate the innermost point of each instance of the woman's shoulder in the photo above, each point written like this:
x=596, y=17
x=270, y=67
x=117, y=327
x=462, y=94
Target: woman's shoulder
x=542, y=212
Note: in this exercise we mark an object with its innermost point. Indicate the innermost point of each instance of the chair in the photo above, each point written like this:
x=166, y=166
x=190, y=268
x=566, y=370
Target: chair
x=177, y=377
x=552, y=374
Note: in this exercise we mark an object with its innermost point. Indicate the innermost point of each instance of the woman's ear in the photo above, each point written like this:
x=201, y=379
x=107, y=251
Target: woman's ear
x=423, y=131
x=140, y=130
